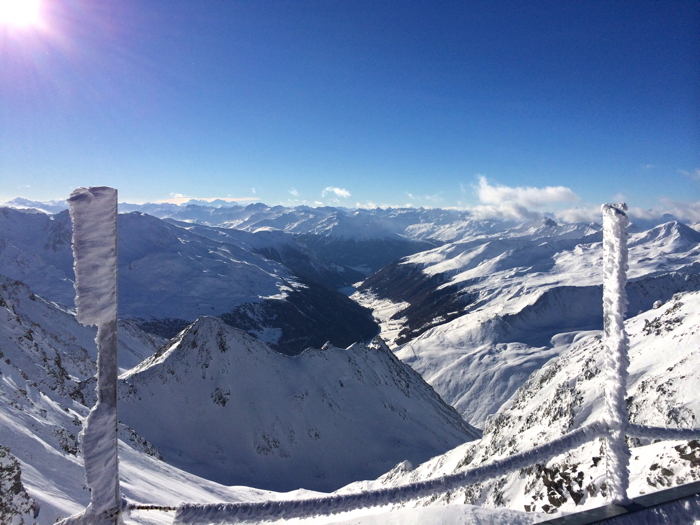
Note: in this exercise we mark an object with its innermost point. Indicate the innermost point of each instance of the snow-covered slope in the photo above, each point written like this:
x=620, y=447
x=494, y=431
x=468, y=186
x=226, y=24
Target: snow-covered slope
x=35, y=249
x=224, y=406
x=169, y=276
x=480, y=315
x=47, y=361
x=566, y=394
x=34, y=329
x=42, y=412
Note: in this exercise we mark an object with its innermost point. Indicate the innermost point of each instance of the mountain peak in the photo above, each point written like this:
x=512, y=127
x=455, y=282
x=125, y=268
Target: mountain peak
x=670, y=232
x=225, y=406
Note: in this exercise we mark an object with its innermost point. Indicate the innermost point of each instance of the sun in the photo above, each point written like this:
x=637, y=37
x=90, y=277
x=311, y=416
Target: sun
x=19, y=13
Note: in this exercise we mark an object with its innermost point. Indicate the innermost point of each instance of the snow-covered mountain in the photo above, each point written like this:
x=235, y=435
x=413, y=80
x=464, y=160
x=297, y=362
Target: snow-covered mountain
x=360, y=240
x=169, y=276
x=35, y=249
x=46, y=388
x=501, y=318
x=566, y=394
x=49, y=207
x=224, y=406
x=33, y=329
x=47, y=364
x=326, y=221
x=475, y=318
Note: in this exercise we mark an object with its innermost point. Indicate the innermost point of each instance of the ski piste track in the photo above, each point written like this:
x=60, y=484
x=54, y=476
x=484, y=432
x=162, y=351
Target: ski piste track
x=613, y=428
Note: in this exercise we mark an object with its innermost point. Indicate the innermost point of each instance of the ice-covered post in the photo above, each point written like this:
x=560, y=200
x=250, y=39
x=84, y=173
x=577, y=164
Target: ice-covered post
x=616, y=347
x=94, y=215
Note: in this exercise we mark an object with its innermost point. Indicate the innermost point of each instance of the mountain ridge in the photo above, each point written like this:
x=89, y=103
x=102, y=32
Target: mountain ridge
x=263, y=419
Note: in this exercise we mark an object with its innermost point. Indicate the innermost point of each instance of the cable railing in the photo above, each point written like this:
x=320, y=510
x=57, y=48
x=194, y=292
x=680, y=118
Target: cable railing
x=613, y=428
x=225, y=513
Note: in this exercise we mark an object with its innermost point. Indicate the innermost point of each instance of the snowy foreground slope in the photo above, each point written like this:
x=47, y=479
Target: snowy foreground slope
x=224, y=406
x=46, y=389
x=37, y=421
x=566, y=394
x=480, y=315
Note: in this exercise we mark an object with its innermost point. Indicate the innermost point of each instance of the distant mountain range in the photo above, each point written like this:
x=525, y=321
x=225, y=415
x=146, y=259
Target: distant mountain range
x=170, y=274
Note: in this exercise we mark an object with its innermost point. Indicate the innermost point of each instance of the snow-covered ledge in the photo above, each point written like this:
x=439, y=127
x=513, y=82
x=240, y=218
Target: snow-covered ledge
x=94, y=215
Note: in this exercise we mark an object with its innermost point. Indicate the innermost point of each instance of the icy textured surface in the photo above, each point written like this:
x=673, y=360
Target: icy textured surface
x=615, y=341
x=94, y=215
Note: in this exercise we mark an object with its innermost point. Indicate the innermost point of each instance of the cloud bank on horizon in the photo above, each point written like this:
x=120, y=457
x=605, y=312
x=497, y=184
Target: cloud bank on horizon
x=494, y=201
x=522, y=203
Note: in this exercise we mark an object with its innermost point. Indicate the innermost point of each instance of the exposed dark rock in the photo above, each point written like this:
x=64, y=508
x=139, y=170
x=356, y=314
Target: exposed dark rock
x=16, y=506
x=365, y=256
x=307, y=317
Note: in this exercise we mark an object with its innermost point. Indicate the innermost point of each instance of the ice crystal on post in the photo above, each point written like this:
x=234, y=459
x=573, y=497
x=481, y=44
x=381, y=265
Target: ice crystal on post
x=94, y=215
x=616, y=346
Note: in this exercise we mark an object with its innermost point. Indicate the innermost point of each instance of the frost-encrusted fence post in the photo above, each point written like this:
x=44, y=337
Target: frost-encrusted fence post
x=94, y=215
x=616, y=345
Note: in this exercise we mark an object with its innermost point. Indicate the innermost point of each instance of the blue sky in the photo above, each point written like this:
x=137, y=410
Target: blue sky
x=428, y=103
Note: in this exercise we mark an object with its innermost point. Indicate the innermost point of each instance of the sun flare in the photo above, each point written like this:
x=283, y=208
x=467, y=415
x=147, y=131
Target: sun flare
x=20, y=13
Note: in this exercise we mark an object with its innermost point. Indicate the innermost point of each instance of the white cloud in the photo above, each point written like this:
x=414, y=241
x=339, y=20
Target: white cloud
x=506, y=202
x=340, y=192
x=294, y=192
x=684, y=211
x=695, y=174
x=523, y=196
x=506, y=210
x=590, y=213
